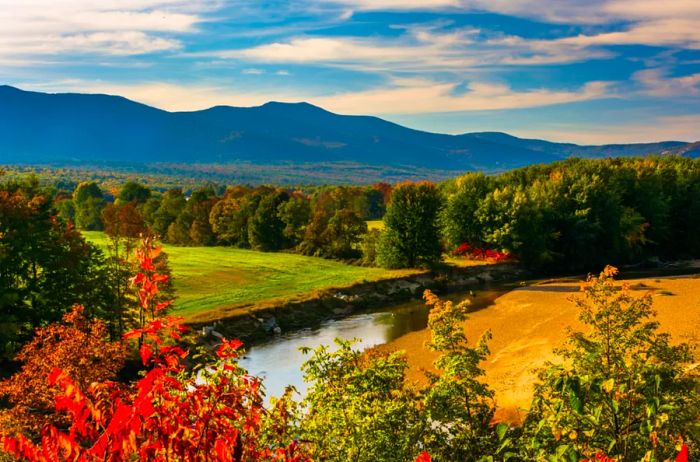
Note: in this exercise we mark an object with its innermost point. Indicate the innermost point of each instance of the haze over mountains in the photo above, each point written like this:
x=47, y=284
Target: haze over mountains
x=54, y=128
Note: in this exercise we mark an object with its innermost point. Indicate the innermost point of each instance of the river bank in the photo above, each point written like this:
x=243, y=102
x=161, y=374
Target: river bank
x=257, y=322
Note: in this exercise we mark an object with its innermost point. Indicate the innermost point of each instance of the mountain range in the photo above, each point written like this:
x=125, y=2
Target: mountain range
x=53, y=128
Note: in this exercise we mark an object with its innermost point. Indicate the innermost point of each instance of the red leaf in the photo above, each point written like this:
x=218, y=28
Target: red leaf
x=683, y=455
x=423, y=457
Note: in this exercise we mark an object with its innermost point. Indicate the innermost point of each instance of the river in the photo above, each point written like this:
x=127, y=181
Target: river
x=278, y=361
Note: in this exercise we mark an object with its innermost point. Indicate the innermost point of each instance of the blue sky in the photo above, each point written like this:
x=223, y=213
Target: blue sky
x=594, y=71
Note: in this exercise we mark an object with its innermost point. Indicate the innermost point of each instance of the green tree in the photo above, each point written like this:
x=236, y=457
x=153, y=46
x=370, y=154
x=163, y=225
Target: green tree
x=624, y=389
x=89, y=202
x=358, y=406
x=132, y=191
x=45, y=265
x=458, y=404
x=412, y=236
x=265, y=227
x=172, y=203
x=458, y=218
x=295, y=214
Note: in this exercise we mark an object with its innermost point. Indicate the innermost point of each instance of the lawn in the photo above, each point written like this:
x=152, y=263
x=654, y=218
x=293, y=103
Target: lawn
x=209, y=278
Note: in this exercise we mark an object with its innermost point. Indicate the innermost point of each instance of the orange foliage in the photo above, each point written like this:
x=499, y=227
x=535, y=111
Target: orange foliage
x=79, y=347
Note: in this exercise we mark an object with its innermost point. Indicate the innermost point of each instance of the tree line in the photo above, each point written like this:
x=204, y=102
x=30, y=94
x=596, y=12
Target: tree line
x=548, y=217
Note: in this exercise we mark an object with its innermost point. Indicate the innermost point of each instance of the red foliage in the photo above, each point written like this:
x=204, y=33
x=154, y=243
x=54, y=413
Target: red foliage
x=480, y=253
x=170, y=413
x=423, y=457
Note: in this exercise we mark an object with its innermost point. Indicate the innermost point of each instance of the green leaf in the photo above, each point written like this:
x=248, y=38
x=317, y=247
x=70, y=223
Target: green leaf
x=501, y=430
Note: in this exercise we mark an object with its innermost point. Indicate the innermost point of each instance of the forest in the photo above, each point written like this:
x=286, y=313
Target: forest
x=94, y=367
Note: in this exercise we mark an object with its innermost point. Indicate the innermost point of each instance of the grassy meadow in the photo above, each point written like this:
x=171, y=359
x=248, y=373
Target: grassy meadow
x=208, y=279
x=543, y=312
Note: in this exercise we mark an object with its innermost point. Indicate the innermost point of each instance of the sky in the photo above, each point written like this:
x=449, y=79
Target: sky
x=590, y=72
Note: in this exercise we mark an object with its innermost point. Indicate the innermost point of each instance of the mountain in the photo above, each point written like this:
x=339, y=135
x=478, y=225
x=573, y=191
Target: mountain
x=53, y=128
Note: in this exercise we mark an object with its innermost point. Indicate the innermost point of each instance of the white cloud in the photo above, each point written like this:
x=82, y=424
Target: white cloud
x=402, y=97
x=656, y=82
x=252, y=71
x=564, y=11
x=427, y=96
x=420, y=49
x=35, y=29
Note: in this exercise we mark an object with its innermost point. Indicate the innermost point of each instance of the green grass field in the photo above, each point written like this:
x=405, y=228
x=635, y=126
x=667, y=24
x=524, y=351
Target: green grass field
x=210, y=278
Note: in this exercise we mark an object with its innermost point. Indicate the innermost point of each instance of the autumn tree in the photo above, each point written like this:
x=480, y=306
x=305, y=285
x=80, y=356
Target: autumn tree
x=458, y=403
x=124, y=227
x=80, y=347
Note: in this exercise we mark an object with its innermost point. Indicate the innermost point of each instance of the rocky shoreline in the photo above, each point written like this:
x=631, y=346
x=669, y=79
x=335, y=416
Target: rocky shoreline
x=257, y=323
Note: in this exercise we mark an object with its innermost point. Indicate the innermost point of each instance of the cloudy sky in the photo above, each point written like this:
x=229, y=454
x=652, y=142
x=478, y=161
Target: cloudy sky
x=594, y=71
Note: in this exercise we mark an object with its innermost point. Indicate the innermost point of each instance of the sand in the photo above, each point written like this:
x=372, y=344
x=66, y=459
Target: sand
x=529, y=322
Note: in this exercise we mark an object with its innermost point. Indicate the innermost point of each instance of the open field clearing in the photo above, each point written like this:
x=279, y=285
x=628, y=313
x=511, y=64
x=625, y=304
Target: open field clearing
x=209, y=278
x=528, y=322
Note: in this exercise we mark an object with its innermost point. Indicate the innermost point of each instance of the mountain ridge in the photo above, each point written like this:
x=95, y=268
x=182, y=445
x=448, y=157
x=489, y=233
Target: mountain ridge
x=53, y=127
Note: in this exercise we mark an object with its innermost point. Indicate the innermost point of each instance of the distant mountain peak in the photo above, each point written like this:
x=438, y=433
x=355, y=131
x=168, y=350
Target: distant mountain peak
x=40, y=127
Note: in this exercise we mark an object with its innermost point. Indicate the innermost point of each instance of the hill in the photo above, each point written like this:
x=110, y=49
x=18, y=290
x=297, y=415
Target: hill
x=87, y=128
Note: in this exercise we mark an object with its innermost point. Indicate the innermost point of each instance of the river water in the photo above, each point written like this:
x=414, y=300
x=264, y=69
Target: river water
x=279, y=360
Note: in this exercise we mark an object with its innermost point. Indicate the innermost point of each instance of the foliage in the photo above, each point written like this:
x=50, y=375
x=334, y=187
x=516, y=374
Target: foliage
x=295, y=214
x=551, y=216
x=78, y=346
x=45, y=265
x=624, y=390
x=88, y=202
x=458, y=403
x=170, y=413
x=133, y=192
x=412, y=235
x=368, y=246
x=477, y=253
x=358, y=406
x=266, y=228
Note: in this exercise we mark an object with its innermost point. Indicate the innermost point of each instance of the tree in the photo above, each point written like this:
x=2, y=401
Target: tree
x=124, y=227
x=458, y=218
x=266, y=228
x=88, y=201
x=342, y=235
x=45, y=265
x=459, y=405
x=133, y=192
x=412, y=235
x=171, y=206
x=624, y=390
x=359, y=408
x=79, y=347
x=295, y=214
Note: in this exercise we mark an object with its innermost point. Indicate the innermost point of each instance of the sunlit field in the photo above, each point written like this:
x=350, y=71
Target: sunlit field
x=209, y=278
